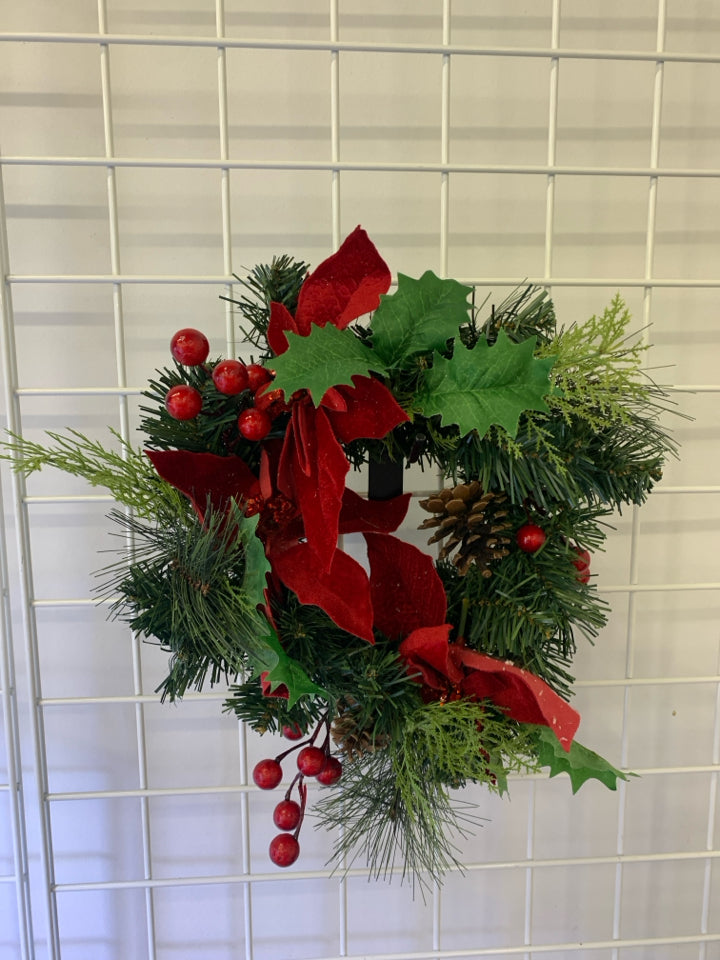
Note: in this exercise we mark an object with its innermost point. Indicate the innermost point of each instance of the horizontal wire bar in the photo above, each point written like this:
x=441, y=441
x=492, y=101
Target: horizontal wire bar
x=354, y=46
x=219, y=280
x=530, y=949
x=211, y=791
x=360, y=872
x=362, y=166
x=613, y=588
x=62, y=498
x=8, y=879
x=621, y=682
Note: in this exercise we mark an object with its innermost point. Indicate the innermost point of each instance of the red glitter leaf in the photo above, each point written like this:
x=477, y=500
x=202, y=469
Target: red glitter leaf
x=428, y=652
x=372, y=411
x=359, y=515
x=205, y=476
x=406, y=591
x=525, y=697
x=343, y=592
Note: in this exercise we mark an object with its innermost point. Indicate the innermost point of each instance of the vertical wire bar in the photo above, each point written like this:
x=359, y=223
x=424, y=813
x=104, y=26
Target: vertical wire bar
x=552, y=141
x=335, y=123
x=710, y=834
x=445, y=141
x=443, y=267
x=225, y=206
x=8, y=694
x=36, y=718
x=123, y=413
x=635, y=529
x=231, y=345
x=336, y=238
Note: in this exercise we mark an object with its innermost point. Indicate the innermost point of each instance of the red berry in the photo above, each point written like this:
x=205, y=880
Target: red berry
x=292, y=732
x=267, y=774
x=331, y=772
x=311, y=760
x=190, y=347
x=583, y=559
x=230, y=377
x=530, y=538
x=257, y=376
x=284, y=850
x=254, y=424
x=183, y=402
x=286, y=815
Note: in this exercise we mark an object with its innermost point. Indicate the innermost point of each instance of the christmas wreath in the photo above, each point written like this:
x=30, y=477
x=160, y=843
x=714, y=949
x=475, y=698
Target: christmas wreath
x=397, y=677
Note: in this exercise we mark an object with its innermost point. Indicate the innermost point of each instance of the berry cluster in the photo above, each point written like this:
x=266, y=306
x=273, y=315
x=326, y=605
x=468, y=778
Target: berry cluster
x=231, y=377
x=312, y=761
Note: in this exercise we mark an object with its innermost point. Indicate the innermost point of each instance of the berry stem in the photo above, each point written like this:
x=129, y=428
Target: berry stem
x=302, y=790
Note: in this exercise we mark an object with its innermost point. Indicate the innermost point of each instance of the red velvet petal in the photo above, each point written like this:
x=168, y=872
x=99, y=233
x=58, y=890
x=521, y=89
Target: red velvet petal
x=346, y=285
x=280, y=690
x=280, y=321
x=372, y=411
x=406, y=591
x=427, y=651
x=343, y=592
x=312, y=474
x=359, y=515
x=203, y=475
x=525, y=697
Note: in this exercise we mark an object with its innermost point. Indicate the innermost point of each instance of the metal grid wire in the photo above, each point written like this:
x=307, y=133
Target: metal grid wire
x=704, y=941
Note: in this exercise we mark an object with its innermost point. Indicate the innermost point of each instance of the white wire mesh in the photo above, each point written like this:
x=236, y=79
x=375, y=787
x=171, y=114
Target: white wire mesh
x=150, y=151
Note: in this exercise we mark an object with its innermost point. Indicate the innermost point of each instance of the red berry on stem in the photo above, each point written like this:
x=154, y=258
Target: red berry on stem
x=254, y=424
x=190, y=347
x=331, y=772
x=530, y=537
x=267, y=774
x=311, y=760
x=286, y=815
x=230, y=377
x=292, y=732
x=183, y=402
x=284, y=850
x=257, y=376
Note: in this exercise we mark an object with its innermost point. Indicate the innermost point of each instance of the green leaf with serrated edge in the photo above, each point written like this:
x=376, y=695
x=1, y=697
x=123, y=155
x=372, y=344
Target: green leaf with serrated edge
x=486, y=385
x=422, y=315
x=579, y=763
x=282, y=669
x=326, y=358
x=256, y=563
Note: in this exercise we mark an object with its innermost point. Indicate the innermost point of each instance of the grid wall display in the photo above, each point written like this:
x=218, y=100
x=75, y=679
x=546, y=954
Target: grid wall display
x=151, y=150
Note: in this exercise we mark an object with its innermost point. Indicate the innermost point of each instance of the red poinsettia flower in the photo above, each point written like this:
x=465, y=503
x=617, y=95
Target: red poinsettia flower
x=410, y=605
x=342, y=590
x=313, y=465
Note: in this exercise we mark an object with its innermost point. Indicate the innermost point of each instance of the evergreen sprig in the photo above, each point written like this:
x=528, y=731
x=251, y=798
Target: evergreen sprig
x=126, y=473
x=186, y=588
x=278, y=282
x=396, y=806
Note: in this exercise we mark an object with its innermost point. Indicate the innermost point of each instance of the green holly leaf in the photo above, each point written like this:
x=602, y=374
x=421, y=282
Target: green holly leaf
x=256, y=563
x=282, y=669
x=486, y=385
x=421, y=316
x=579, y=763
x=324, y=359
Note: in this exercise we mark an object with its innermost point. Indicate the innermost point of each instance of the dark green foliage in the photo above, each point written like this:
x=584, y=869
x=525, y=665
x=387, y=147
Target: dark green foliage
x=396, y=805
x=186, y=587
x=279, y=282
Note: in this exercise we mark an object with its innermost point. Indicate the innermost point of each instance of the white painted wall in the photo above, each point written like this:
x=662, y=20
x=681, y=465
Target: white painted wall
x=551, y=164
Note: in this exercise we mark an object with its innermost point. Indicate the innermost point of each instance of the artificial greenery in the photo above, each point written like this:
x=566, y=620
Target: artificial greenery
x=551, y=429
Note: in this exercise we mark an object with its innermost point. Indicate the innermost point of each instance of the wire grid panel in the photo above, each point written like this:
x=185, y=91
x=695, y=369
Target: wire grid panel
x=148, y=154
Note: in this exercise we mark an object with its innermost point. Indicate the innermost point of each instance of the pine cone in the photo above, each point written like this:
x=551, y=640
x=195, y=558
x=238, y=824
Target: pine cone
x=473, y=521
x=351, y=739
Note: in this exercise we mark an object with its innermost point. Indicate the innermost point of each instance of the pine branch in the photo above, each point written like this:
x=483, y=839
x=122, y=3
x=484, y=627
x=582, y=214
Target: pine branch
x=277, y=282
